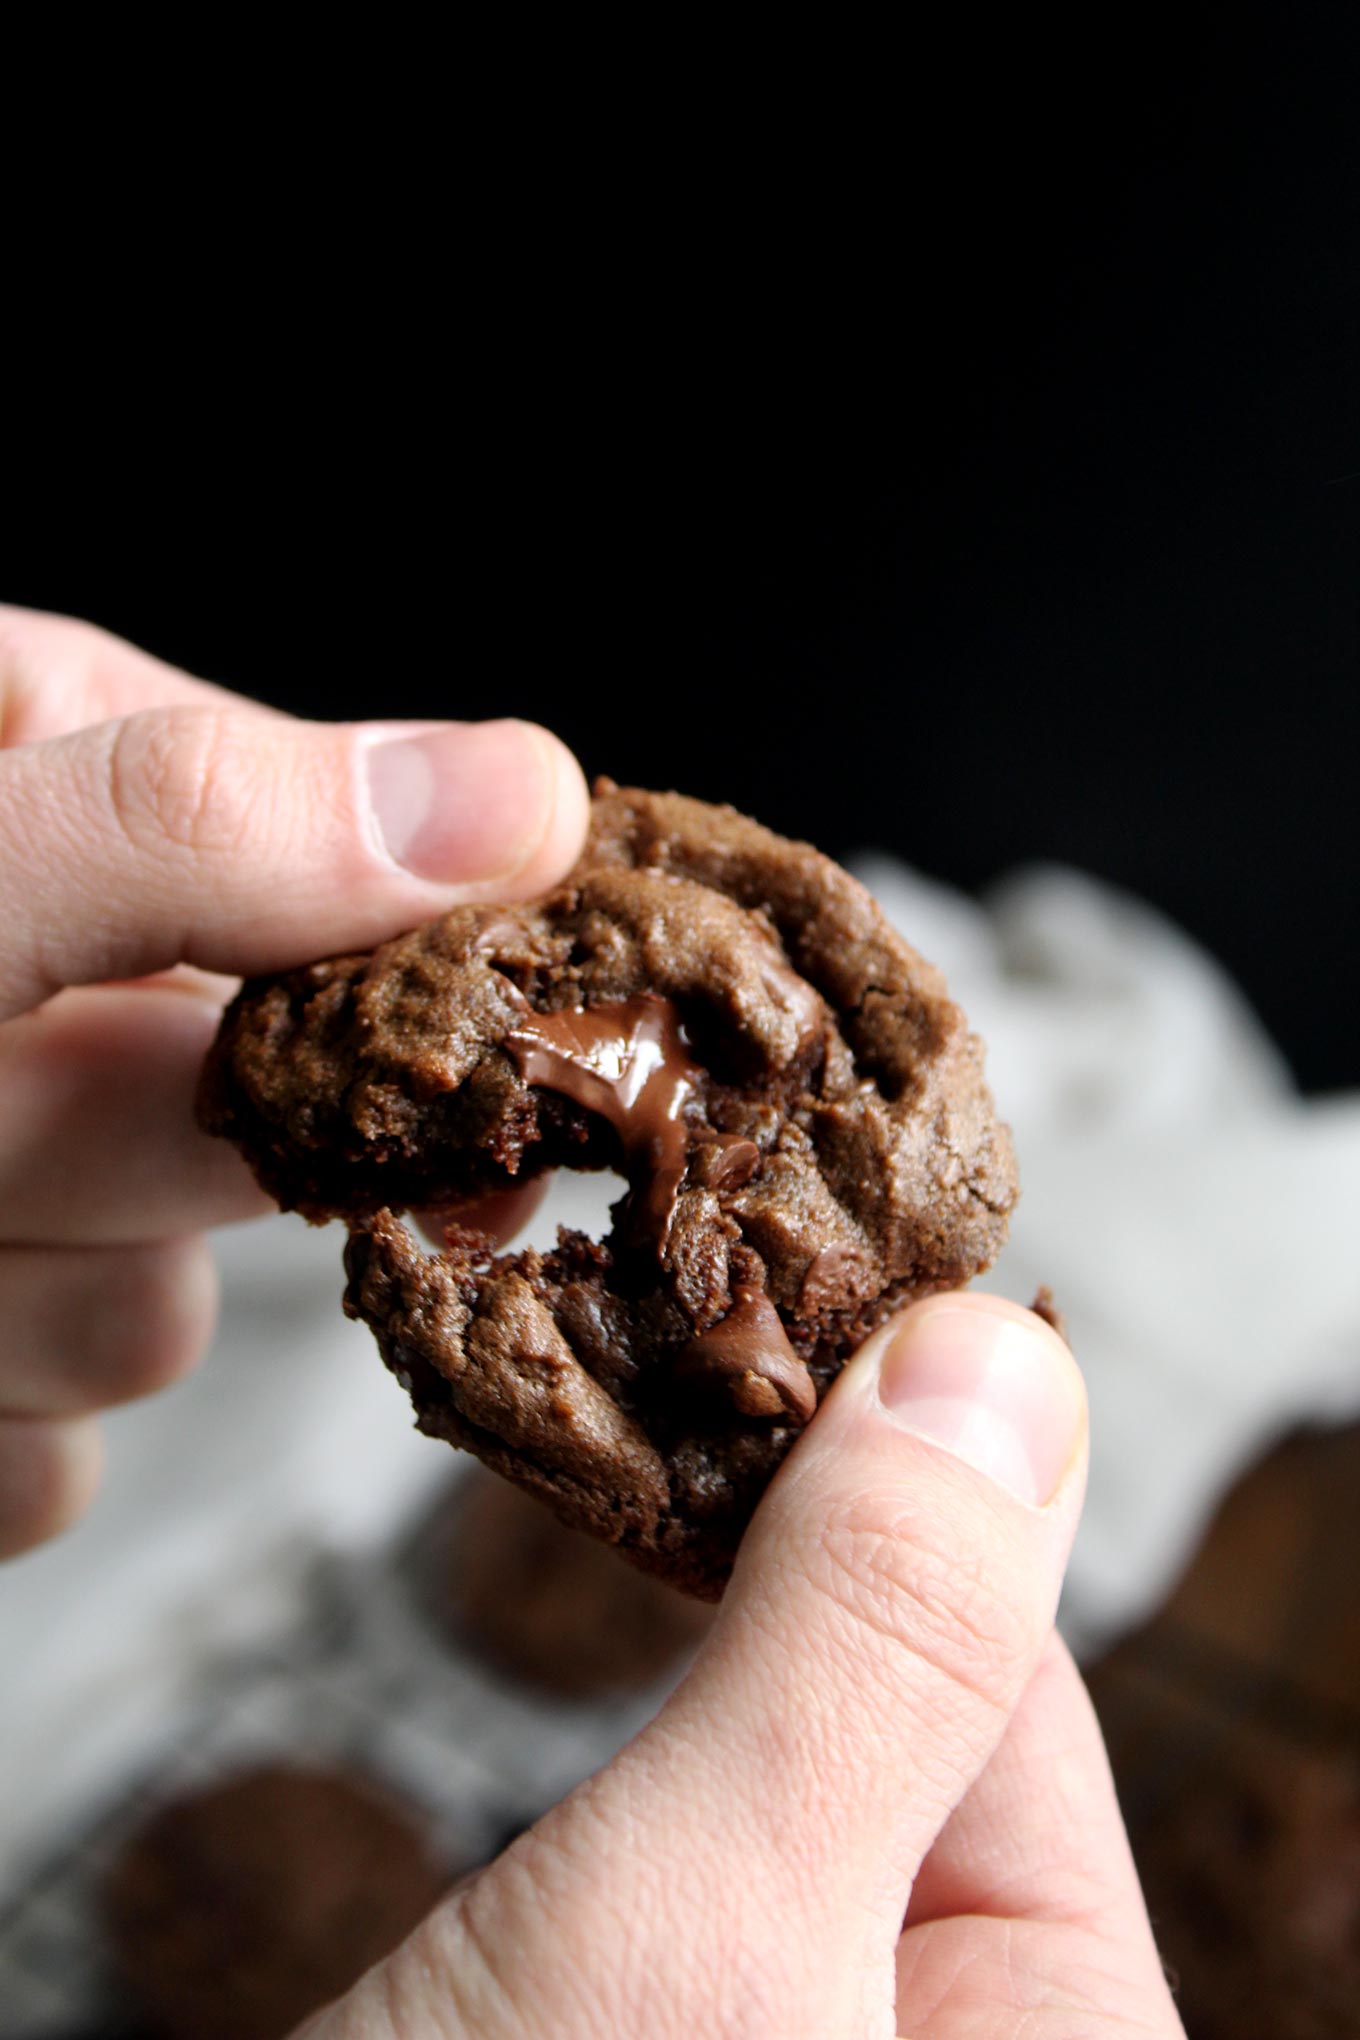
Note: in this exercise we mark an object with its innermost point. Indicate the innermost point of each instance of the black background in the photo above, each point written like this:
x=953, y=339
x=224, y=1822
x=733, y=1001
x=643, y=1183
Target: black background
x=970, y=464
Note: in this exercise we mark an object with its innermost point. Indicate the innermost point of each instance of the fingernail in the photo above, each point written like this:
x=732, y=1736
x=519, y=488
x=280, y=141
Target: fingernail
x=467, y=803
x=993, y=1386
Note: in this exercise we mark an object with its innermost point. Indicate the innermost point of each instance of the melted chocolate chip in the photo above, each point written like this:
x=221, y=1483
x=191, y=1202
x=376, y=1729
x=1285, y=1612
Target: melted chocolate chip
x=725, y=1162
x=627, y=1062
x=748, y=1355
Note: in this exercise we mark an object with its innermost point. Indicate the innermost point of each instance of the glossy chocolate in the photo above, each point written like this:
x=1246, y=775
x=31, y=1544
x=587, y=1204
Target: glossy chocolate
x=627, y=1062
x=726, y=1162
x=747, y=1354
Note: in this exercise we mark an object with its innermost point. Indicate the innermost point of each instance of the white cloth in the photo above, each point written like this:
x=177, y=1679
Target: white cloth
x=1194, y=1218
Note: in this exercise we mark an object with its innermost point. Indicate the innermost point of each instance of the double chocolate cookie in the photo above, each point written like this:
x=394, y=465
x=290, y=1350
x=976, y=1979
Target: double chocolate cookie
x=541, y=1604
x=727, y=1020
x=237, y=1910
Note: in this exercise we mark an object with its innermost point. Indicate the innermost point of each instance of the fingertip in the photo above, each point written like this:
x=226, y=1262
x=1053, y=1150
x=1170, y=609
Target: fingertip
x=500, y=1214
x=982, y=1303
x=49, y=1474
x=567, y=817
x=989, y=1310
x=991, y=1383
x=484, y=810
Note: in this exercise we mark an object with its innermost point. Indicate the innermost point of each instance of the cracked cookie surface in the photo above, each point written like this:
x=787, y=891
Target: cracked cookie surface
x=726, y=1019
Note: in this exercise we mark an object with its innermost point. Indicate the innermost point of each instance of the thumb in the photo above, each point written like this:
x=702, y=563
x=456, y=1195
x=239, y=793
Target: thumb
x=894, y=1593
x=214, y=835
x=891, y=1600
x=751, y=1853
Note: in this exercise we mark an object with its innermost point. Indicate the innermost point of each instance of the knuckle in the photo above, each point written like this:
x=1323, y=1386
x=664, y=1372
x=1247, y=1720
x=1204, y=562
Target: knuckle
x=18, y=672
x=890, y=1570
x=183, y=779
x=45, y=666
x=23, y=635
x=460, y=1947
x=12, y=643
x=615, y=1896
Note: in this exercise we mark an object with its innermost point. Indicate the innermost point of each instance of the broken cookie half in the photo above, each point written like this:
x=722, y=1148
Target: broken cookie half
x=725, y=1019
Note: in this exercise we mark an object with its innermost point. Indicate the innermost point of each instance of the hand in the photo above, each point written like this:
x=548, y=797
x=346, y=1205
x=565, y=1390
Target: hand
x=881, y=1722
x=881, y=1727
x=148, y=821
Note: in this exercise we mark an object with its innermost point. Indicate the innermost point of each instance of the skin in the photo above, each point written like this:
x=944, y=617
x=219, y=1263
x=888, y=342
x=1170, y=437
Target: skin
x=879, y=1802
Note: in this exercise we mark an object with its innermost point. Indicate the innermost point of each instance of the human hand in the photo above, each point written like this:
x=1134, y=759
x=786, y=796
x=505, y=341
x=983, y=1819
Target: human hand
x=881, y=1727
x=149, y=821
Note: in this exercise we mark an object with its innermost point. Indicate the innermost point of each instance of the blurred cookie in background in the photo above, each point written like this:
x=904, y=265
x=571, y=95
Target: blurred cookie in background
x=1252, y=1873
x=1233, y=1724
x=235, y=1911
x=548, y=1606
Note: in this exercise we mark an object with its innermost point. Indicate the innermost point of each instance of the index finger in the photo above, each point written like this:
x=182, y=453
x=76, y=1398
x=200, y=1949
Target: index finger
x=205, y=833
x=1037, y=1845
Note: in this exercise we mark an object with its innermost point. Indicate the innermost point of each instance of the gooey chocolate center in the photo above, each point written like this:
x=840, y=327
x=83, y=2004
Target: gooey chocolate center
x=626, y=1060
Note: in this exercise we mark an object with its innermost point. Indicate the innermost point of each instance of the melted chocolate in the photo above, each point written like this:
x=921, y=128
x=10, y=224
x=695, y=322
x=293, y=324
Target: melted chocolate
x=627, y=1062
x=726, y=1162
x=748, y=1355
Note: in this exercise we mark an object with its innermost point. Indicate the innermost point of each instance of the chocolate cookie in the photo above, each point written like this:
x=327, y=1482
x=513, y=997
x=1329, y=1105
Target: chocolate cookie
x=543, y=1604
x=237, y=1911
x=1252, y=1877
x=726, y=1019
x=1232, y=1719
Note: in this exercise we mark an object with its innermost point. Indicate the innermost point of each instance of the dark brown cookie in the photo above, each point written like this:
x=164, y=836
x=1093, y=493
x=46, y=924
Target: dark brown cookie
x=1232, y=1718
x=237, y=1911
x=544, y=1604
x=727, y=1019
x=1253, y=1880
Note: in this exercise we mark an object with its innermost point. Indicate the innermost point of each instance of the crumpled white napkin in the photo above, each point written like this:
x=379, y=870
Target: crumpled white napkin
x=1194, y=1218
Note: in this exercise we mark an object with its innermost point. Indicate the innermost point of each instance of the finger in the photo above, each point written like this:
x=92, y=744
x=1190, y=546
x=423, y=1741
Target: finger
x=895, y=1591
x=97, y=1137
x=1033, y=1875
x=98, y=1141
x=88, y=1327
x=890, y=1602
x=500, y=1214
x=48, y=1475
x=1040, y=1835
x=241, y=843
x=57, y=675
x=185, y=977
